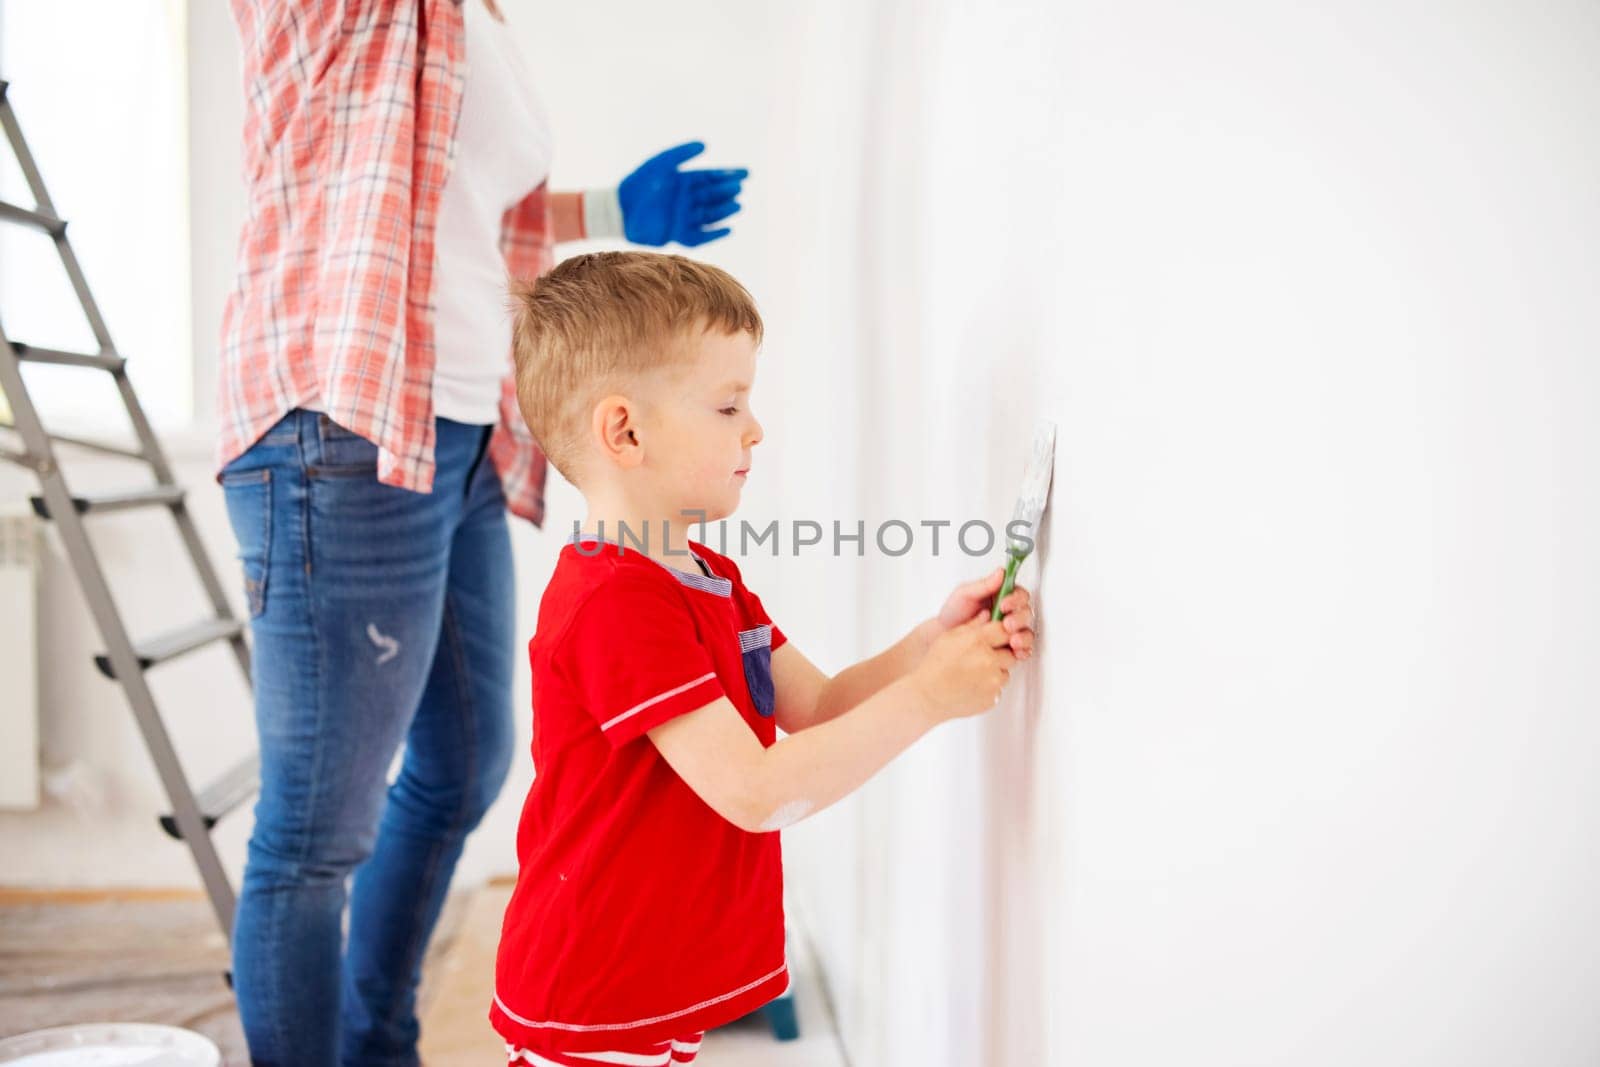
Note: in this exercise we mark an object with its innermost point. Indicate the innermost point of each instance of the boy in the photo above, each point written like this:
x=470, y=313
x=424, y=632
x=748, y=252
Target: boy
x=649, y=898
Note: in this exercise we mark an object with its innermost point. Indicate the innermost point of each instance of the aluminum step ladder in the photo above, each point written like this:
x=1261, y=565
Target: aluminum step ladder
x=125, y=660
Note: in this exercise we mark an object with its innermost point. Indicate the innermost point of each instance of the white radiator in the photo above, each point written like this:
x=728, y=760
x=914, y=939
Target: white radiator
x=19, y=661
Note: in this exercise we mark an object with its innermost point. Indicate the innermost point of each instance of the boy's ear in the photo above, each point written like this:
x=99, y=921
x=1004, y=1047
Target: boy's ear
x=615, y=426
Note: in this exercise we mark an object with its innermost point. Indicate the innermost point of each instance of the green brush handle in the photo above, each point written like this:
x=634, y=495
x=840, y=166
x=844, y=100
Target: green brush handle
x=1012, y=564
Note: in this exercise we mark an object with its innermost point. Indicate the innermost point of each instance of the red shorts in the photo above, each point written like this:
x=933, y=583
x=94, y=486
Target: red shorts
x=660, y=1054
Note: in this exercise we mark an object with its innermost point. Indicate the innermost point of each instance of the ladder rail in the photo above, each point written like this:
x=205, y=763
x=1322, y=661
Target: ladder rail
x=122, y=657
x=198, y=556
x=149, y=444
x=41, y=198
x=119, y=646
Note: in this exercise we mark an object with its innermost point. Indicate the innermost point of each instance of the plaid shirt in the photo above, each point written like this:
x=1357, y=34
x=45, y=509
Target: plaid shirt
x=349, y=135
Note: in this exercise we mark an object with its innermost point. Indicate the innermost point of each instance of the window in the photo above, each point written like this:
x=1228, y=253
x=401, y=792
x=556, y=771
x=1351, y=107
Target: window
x=99, y=89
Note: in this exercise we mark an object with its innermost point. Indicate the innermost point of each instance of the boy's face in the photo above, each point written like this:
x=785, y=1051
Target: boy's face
x=699, y=430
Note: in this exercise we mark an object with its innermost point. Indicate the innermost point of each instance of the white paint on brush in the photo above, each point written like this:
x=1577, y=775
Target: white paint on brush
x=787, y=815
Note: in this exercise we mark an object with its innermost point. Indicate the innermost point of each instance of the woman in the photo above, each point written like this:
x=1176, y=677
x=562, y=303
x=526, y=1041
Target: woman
x=396, y=160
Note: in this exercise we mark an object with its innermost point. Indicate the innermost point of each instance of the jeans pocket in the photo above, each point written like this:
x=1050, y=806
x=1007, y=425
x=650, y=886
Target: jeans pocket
x=342, y=453
x=755, y=645
x=249, y=498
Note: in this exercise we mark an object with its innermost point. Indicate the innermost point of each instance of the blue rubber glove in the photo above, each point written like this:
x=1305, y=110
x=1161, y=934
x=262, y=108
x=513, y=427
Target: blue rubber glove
x=661, y=203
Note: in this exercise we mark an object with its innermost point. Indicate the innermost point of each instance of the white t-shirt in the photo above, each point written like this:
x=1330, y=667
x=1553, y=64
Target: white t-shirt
x=502, y=154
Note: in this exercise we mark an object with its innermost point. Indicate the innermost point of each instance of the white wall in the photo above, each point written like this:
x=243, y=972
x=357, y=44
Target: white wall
x=1305, y=774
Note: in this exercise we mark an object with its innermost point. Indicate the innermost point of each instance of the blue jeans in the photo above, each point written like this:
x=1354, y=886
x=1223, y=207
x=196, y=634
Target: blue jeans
x=379, y=615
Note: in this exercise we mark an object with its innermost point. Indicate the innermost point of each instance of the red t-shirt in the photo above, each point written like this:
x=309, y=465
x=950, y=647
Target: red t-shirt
x=639, y=913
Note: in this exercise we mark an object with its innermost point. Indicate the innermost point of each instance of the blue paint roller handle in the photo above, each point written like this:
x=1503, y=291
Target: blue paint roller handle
x=1013, y=563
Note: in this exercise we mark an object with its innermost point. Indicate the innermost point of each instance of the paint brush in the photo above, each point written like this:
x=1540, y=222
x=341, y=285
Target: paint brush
x=1020, y=538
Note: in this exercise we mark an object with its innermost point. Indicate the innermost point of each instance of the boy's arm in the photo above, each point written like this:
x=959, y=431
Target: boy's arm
x=805, y=697
x=763, y=789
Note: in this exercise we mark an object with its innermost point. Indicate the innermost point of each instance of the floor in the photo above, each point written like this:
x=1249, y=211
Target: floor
x=158, y=957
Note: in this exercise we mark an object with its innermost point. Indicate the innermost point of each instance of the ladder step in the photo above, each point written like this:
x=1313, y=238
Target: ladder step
x=160, y=495
x=235, y=787
x=167, y=646
x=38, y=220
x=204, y=807
x=107, y=361
x=76, y=442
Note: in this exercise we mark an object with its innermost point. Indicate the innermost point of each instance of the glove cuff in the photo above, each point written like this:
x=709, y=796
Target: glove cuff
x=602, y=213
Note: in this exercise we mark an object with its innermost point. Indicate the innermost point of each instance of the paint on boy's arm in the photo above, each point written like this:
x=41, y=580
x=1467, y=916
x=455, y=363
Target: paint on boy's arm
x=787, y=815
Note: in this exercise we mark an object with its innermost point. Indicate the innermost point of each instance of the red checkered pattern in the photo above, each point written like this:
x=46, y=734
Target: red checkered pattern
x=349, y=135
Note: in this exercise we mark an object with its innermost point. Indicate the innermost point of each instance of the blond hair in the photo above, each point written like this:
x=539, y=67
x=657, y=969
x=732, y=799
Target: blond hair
x=596, y=322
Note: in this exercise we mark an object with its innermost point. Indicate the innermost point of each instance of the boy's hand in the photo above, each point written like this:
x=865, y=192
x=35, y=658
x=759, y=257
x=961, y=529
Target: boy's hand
x=1017, y=609
x=965, y=669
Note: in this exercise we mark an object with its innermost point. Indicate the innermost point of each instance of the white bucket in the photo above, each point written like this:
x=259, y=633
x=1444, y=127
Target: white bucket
x=110, y=1045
